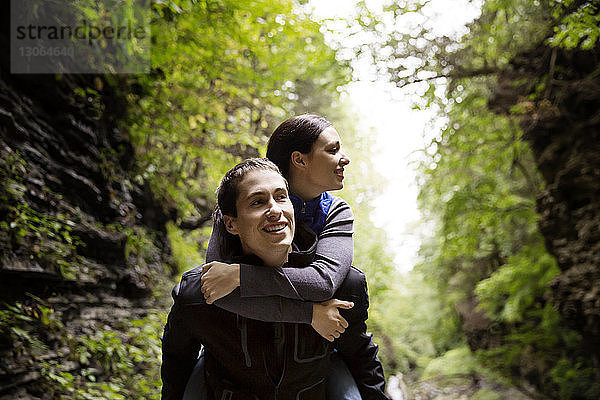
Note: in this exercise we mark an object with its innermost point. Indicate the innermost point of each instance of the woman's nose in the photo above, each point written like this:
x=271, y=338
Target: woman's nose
x=344, y=160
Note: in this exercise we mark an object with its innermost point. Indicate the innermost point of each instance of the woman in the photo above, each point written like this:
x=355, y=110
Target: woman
x=245, y=358
x=307, y=149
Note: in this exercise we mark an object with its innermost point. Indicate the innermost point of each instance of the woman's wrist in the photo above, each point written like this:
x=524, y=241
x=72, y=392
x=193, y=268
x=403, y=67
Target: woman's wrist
x=236, y=275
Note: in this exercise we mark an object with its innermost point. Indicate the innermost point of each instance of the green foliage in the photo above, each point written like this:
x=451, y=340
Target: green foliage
x=486, y=394
x=128, y=358
x=223, y=72
x=458, y=361
x=116, y=364
x=579, y=28
x=479, y=186
x=413, y=324
x=576, y=381
x=47, y=233
x=119, y=363
x=521, y=281
x=185, y=250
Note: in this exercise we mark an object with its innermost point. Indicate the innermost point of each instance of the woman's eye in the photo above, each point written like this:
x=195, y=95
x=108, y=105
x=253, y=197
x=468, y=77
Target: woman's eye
x=334, y=150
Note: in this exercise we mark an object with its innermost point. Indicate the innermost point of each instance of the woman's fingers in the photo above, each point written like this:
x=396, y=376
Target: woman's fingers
x=343, y=322
x=342, y=304
x=206, y=281
x=327, y=320
x=206, y=267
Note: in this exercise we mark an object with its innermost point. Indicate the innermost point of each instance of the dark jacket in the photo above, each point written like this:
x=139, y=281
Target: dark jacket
x=355, y=345
x=256, y=353
x=245, y=358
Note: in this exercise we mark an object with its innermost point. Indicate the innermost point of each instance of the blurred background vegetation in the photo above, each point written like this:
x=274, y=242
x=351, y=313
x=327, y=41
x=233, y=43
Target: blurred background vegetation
x=475, y=309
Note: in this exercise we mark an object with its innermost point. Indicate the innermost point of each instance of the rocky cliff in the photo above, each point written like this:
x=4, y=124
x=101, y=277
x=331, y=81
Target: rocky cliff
x=83, y=249
x=562, y=125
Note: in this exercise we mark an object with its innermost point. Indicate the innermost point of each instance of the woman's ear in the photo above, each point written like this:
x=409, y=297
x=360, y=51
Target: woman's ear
x=231, y=224
x=298, y=160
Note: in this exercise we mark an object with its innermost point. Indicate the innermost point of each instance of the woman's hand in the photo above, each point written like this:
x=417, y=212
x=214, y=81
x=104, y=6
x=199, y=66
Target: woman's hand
x=219, y=279
x=326, y=319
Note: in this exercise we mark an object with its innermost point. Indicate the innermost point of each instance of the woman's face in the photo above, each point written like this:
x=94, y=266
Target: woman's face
x=326, y=162
x=265, y=216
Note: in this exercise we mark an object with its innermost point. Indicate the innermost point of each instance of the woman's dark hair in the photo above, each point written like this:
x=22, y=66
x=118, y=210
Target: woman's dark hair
x=227, y=194
x=294, y=134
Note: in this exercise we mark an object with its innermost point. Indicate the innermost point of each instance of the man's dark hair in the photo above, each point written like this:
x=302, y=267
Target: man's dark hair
x=298, y=133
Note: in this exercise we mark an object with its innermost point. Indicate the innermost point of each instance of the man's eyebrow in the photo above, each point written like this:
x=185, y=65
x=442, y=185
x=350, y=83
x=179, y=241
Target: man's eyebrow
x=262, y=192
x=255, y=193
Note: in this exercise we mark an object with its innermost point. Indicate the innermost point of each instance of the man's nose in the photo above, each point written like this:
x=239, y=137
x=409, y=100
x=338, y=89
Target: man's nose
x=274, y=210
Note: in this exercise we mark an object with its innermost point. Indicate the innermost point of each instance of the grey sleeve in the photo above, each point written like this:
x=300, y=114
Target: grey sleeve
x=266, y=308
x=317, y=281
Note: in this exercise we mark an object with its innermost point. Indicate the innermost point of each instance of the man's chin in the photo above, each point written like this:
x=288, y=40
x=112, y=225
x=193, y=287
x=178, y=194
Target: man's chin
x=283, y=245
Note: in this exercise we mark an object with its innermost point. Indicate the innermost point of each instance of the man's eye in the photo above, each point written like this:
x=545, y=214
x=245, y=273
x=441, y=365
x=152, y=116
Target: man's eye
x=282, y=197
x=256, y=203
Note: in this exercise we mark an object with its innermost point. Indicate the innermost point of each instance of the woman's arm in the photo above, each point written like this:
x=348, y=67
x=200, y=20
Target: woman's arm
x=268, y=308
x=325, y=318
x=276, y=294
x=317, y=281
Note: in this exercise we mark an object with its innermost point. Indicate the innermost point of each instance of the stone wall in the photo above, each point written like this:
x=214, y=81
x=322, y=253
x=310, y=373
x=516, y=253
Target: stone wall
x=563, y=128
x=83, y=244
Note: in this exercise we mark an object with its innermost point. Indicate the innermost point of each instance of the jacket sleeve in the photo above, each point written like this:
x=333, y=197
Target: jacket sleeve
x=267, y=308
x=356, y=346
x=180, y=348
x=317, y=281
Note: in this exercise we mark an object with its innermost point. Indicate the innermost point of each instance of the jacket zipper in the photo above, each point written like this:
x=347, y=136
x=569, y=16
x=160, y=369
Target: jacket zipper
x=243, y=327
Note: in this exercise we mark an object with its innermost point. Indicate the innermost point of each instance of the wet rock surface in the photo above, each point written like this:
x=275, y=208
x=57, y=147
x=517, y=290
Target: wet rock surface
x=564, y=134
x=83, y=247
x=458, y=387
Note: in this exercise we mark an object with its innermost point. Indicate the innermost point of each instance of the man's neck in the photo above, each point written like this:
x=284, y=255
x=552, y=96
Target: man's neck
x=274, y=258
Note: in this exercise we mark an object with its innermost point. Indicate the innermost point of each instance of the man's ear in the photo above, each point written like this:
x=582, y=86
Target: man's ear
x=231, y=224
x=298, y=160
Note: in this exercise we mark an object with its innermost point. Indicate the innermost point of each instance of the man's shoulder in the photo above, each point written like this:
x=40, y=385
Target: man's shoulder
x=189, y=289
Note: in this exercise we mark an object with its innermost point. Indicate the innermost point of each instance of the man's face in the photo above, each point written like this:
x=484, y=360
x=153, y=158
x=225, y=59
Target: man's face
x=265, y=216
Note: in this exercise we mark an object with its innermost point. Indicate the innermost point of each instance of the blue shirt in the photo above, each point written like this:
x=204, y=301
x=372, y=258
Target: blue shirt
x=312, y=212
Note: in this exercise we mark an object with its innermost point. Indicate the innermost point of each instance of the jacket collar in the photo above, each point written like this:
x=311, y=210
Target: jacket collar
x=312, y=212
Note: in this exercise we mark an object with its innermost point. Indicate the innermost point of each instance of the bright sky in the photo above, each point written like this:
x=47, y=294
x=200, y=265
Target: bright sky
x=400, y=131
